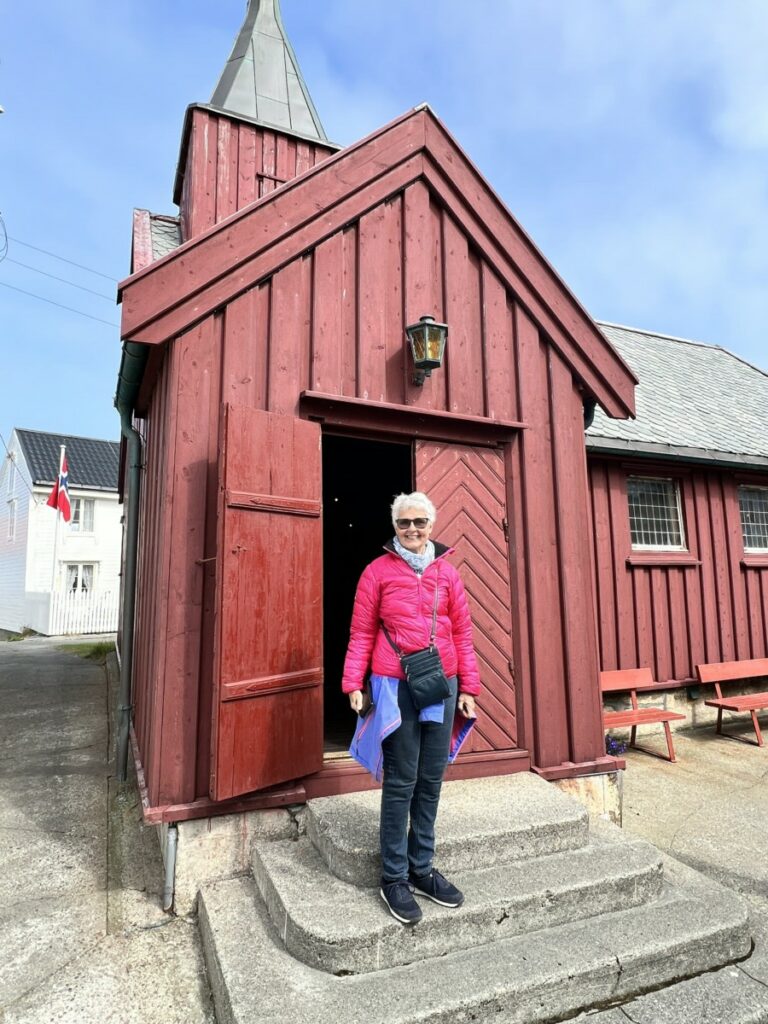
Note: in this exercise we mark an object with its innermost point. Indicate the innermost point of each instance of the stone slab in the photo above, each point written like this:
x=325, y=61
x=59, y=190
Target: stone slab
x=481, y=822
x=530, y=979
x=338, y=927
x=724, y=997
x=727, y=996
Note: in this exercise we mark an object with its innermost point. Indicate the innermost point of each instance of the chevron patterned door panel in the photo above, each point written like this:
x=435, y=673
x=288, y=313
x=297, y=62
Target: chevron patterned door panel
x=467, y=486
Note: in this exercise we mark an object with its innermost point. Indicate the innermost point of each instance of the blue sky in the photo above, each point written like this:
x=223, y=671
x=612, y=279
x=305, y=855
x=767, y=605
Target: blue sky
x=628, y=137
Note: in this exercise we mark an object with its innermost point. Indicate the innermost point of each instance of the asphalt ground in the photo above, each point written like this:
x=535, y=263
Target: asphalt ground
x=82, y=930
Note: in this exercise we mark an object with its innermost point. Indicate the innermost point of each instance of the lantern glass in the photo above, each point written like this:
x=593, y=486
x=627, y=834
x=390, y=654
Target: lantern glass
x=427, y=340
x=435, y=343
x=419, y=344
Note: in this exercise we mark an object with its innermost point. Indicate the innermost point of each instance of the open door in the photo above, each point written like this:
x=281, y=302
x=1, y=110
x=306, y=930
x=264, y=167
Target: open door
x=468, y=487
x=268, y=676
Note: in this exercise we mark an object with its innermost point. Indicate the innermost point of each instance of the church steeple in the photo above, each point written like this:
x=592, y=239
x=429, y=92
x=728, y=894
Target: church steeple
x=262, y=80
x=260, y=129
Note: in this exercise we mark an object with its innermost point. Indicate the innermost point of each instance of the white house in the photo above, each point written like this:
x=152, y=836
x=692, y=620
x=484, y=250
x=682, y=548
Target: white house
x=58, y=577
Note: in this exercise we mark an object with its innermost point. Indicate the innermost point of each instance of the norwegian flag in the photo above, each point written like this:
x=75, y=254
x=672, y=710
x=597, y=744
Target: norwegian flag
x=59, y=496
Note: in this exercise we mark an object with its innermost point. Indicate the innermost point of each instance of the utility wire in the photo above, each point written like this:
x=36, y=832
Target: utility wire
x=18, y=474
x=79, y=312
x=101, y=295
x=80, y=266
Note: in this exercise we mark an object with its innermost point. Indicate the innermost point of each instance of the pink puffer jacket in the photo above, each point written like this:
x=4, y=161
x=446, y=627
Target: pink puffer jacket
x=390, y=591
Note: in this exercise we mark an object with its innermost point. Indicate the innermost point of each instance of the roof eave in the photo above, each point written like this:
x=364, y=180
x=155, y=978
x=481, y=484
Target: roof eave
x=678, y=453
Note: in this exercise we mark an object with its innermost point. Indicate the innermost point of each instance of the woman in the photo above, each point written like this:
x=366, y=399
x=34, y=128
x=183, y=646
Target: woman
x=398, y=591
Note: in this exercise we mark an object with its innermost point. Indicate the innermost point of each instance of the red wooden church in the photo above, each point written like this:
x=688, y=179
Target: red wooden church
x=266, y=375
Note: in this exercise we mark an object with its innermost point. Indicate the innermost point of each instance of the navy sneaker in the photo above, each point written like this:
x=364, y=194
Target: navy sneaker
x=436, y=888
x=399, y=899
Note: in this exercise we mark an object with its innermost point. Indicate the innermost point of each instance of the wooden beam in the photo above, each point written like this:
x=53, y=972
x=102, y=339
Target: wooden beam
x=411, y=421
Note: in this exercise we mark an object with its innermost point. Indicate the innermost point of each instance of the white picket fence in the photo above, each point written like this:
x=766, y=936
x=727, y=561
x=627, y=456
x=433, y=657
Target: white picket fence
x=79, y=611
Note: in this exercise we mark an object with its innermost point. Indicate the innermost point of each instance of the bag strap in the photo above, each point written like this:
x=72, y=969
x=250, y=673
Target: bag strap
x=433, y=633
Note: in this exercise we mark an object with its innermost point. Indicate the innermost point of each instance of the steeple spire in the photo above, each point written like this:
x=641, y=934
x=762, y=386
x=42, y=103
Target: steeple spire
x=262, y=79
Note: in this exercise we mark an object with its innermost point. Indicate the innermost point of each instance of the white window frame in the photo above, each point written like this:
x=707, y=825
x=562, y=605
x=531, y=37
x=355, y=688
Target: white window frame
x=12, y=519
x=79, y=567
x=675, y=484
x=79, y=506
x=11, y=474
x=749, y=550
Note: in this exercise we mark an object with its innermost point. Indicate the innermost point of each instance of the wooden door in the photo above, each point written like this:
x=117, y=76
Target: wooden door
x=267, y=708
x=468, y=487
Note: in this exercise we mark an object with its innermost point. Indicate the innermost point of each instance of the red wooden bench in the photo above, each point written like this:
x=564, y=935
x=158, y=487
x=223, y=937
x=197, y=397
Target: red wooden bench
x=725, y=671
x=628, y=681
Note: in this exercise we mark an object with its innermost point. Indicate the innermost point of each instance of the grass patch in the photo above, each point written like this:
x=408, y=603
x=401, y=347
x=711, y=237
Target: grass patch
x=92, y=652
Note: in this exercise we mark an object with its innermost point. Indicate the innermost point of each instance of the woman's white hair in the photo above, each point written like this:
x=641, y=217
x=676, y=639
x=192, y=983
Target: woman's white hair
x=415, y=500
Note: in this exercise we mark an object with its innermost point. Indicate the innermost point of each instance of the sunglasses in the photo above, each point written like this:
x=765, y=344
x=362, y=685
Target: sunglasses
x=403, y=524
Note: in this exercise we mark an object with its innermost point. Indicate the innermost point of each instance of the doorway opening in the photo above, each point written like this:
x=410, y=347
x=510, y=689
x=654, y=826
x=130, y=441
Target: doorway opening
x=360, y=479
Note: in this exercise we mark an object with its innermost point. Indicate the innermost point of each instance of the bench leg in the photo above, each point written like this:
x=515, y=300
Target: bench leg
x=670, y=747
x=719, y=720
x=757, y=729
x=633, y=736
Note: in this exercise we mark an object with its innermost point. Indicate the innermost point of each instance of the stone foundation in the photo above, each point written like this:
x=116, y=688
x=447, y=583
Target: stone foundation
x=212, y=849
x=600, y=794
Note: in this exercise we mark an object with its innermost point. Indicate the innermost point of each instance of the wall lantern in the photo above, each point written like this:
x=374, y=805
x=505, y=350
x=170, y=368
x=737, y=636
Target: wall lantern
x=427, y=340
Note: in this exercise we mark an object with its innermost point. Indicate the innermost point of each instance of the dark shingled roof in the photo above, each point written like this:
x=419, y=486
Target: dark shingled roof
x=91, y=463
x=694, y=401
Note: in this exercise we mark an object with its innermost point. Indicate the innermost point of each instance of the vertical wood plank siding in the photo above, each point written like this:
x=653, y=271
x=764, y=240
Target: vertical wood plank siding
x=230, y=164
x=151, y=603
x=672, y=617
x=332, y=321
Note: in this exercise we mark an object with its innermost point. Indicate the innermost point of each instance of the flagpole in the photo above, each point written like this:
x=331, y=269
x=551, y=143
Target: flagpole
x=56, y=530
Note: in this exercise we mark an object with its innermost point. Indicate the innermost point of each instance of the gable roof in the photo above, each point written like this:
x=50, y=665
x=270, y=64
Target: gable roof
x=92, y=463
x=204, y=274
x=262, y=79
x=694, y=401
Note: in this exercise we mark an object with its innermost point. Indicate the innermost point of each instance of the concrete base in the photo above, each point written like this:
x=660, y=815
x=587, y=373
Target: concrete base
x=600, y=794
x=212, y=849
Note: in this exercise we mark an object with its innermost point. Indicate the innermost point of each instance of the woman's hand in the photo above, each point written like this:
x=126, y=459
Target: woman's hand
x=356, y=700
x=466, y=705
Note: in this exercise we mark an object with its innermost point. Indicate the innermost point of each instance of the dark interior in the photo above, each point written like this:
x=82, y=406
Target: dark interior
x=360, y=479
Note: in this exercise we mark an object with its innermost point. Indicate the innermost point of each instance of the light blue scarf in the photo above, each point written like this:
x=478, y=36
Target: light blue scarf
x=417, y=562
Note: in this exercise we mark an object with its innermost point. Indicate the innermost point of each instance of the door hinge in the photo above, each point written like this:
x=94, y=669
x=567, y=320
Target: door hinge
x=505, y=525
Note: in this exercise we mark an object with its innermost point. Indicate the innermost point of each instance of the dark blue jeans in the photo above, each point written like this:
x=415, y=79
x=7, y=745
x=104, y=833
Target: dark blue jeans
x=415, y=756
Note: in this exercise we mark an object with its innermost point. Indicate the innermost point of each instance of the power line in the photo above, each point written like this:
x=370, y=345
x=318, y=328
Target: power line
x=63, y=259
x=101, y=295
x=11, y=459
x=52, y=303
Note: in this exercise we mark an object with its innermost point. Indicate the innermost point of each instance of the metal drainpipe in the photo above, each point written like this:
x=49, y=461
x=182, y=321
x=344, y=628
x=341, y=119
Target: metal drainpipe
x=131, y=371
x=170, y=867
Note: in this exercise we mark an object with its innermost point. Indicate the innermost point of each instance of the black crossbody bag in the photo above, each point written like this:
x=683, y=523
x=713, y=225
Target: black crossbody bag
x=423, y=669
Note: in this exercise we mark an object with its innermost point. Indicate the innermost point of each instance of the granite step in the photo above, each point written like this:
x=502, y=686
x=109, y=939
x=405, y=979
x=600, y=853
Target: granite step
x=341, y=928
x=481, y=823
x=727, y=996
x=536, y=978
